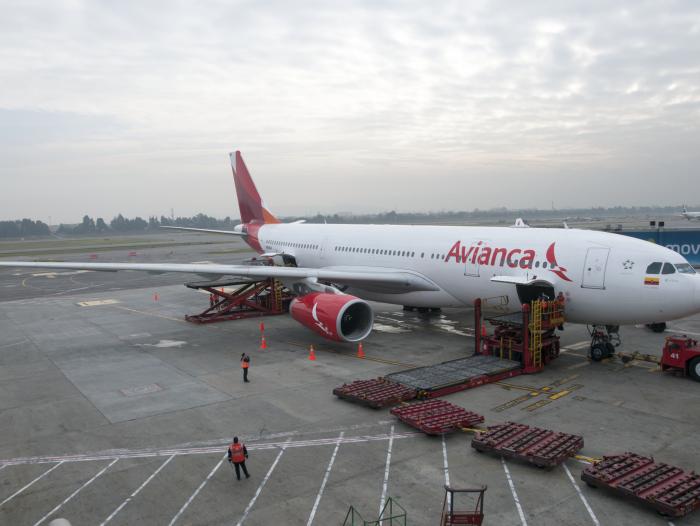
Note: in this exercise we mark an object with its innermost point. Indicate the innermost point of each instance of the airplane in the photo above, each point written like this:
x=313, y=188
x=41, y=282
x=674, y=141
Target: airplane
x=333, y=270
x=690, y=215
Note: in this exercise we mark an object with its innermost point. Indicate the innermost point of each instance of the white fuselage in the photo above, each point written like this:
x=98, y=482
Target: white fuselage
x=602, y=275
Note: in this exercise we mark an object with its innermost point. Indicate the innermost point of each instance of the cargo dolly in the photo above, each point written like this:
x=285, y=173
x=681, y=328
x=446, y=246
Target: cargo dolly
x=436, y=417
x=456, y=375
x=375, y=393
x=669, y=490
x=541, y=447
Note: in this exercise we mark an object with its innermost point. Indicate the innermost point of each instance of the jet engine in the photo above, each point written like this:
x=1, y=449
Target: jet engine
x=338, y=317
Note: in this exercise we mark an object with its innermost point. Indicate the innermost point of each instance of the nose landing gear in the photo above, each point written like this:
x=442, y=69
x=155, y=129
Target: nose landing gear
x=604, y=339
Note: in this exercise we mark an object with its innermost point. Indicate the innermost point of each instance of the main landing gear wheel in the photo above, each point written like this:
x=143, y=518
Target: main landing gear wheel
x=694, y=369
x=598, y=352
x=603, y=341
x=657, y=327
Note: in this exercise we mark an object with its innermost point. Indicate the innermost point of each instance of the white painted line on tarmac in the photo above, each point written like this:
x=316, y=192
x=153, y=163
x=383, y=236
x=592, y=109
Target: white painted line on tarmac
x=8, y=499
x=204, y=450
x=512, y=490
x=325, y=479
x=262, y=485
x=581, y=496
x=196, y=492
x=76, y=492
x=138, y=490
x=3, y=467
x=578, y=345
x=445, y=467
x=386, y=469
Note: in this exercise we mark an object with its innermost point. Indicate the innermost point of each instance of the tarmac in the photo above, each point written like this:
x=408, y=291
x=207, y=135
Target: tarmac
x=115, y=410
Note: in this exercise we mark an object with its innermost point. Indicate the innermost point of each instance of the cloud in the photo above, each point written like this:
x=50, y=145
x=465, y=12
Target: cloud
x=347, y=105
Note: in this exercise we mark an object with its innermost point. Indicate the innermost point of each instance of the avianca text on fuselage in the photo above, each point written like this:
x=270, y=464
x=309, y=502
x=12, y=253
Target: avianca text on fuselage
x=485, y=255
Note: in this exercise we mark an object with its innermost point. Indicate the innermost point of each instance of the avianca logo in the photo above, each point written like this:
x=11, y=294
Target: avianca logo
x=484, y=255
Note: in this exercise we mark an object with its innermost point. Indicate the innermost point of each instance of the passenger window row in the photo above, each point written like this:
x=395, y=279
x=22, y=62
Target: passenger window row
x=309, y=246
x=377, y=251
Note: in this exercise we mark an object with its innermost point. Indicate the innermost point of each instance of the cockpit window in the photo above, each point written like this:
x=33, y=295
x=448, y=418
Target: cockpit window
x=654, y=268
x=668, y=269
x=684, y=268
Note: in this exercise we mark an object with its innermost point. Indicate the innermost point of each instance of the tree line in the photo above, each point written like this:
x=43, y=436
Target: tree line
x=119, y=224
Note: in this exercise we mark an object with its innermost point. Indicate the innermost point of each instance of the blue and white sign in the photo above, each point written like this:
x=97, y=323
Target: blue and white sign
x=685, y=242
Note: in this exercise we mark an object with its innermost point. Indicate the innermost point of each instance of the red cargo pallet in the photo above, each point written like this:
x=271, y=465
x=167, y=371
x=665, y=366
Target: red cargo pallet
x=436, y=417
x=375, y=393
x=541, y=447
x=669, y=490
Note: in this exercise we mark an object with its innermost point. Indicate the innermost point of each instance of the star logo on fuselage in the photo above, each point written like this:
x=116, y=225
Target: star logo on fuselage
x=627, y=265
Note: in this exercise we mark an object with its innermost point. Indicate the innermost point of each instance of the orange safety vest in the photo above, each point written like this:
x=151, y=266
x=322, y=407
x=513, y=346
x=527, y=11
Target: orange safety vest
x=237, y=455
x=245, y=364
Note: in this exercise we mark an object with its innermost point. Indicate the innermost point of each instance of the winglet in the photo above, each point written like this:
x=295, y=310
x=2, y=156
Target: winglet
x=250, y=203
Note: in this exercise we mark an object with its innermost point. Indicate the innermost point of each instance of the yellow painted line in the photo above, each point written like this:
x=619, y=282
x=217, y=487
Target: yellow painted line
x=590, y=460
x=536, y=405
x=546, y=388
x=512, y=403
x=557, y=396
x=565, y=380
x=521, y=387
x=96, y=303
x=473, y=430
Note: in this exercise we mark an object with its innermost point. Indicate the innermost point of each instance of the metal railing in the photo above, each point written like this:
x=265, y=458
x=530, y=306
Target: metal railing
x=392, y=514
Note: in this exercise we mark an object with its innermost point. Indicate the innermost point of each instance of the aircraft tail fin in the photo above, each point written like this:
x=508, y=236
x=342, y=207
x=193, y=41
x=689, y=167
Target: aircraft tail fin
x=250, y=203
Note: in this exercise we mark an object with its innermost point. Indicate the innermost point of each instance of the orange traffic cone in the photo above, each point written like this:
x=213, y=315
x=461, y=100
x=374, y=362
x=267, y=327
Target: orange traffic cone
x=263, y=343
x=312, y=353
x=156, y=297
x=262, y=326
x=360, y=351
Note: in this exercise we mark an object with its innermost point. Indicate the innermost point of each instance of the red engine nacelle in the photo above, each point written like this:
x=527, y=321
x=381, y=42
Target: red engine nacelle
x=339, y=317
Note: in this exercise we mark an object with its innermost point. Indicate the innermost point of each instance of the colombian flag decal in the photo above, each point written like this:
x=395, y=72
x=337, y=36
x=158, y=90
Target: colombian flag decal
x=651, y=281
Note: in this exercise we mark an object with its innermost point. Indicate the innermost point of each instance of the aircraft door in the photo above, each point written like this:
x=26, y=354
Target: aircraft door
x=594, y=268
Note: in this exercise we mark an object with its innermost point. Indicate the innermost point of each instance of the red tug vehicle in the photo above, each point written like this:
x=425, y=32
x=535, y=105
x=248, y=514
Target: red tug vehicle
x=682, y=354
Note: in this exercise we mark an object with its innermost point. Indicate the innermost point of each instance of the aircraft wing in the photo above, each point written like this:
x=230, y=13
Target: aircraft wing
x=386, y=279
x=207, y=230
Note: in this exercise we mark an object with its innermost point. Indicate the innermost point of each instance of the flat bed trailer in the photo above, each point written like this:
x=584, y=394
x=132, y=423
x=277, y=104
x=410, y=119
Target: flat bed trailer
x=669, y=490
x=456, y=375
x=541, y=447
x=436, y=417
x=375, y=393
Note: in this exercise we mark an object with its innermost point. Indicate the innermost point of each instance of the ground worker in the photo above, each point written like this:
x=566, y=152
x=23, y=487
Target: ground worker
x=237, y=453
x=212, y=300
x=245, y=364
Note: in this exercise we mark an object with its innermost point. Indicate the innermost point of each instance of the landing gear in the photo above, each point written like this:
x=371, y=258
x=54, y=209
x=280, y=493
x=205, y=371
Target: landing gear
x=657, y=327
x=604, y=339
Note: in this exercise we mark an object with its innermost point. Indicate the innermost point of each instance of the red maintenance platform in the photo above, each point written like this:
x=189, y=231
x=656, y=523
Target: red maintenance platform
x=436, y=417
x=541, y=447
x=375, y=393
x=233, y=300
x=669, y=490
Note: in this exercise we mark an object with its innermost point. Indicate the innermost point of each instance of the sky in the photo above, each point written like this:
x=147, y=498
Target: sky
x=132, y=107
